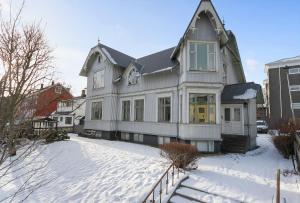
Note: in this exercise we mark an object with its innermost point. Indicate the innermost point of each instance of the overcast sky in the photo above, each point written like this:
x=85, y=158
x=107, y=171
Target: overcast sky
x=266, y=30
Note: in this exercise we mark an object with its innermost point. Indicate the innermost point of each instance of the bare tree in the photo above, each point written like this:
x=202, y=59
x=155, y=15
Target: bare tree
x=26, y=62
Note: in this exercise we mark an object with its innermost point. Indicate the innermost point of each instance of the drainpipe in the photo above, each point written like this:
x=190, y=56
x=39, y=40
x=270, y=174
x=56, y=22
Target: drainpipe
x=178, y=100
x=248, y=115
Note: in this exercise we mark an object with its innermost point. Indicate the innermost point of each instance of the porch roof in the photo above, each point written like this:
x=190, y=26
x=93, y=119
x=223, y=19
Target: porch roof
x=242, y=92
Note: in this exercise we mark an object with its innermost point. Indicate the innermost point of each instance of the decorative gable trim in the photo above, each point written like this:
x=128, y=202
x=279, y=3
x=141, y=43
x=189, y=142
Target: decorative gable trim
x=207, y=7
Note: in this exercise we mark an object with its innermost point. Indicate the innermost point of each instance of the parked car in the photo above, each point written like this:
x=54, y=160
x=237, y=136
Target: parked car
x=262, y=126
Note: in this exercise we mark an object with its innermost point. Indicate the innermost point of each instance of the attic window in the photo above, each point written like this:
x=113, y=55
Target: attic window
x=58, y=89
x=133, y=77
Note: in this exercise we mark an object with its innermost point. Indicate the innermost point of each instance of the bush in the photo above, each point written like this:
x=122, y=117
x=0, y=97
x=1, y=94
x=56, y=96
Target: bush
x=284, y=144
x=54, y=136
x=179, y=153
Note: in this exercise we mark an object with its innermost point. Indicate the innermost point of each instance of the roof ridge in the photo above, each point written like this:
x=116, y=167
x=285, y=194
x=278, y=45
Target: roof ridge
x=105, y=46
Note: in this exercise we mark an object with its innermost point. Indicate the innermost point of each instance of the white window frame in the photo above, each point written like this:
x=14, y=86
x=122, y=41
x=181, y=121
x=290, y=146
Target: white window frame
x=164, y=140
x=240, y=111
x=138, y=137
x=122, y=115
x=101, y=75
x=66, y=120
x=163, y=95
x=98, y=100
x=209, y=145
x=296, y=105
x=291, y=71
x=125, y=136
x=58, y=89
x=294, y=88
x=189, y=42
x=134, y=99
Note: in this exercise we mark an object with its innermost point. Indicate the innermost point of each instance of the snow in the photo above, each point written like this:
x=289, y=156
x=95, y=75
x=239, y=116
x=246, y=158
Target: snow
x=91, y=170
x=249, y=94
x=246, y=177
x=85, y=169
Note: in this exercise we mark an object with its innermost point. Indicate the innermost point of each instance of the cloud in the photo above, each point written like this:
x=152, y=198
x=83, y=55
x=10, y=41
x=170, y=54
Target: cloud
x=252, y=64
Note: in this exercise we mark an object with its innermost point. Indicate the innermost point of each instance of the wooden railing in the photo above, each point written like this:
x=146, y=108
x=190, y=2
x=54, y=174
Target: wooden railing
x=163, y=181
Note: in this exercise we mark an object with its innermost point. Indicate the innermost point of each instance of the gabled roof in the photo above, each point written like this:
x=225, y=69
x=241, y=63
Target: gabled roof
x=241, y=92
x=114, y=56
x=123, y=60
x=207, y=7
x=157, y=61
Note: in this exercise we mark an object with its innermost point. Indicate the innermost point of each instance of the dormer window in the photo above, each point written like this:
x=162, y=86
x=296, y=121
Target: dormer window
x=133, y=77
x=202, y=56
x=58, y=89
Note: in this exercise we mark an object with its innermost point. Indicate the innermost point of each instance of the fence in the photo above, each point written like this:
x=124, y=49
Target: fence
x=297, y=150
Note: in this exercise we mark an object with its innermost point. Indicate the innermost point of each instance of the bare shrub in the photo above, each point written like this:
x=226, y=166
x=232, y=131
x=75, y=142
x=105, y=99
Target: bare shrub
x=179, y=153
x=284, y=144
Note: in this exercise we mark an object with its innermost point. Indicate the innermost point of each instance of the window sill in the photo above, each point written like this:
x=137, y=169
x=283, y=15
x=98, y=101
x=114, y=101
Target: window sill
x=202, y=71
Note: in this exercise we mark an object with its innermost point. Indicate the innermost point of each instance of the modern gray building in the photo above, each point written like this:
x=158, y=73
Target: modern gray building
x=194, y=92
x=283, y=89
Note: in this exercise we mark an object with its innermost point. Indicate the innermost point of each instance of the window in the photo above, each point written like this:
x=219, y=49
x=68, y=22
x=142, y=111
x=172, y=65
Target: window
x=164, y=140
x=139, y=110
x=98, y=79
x=68, y=120
x=202, y=108
x=164, y=109
x=138, y=137
x=227, y=114
x=58, y=89
x=99, y=58
x=204, y=146
x=296, y=105
x=295, y=88
x=61, y=119
x=126, y=110
x=202, y=56
x=96, y=111
x=125, y=136
x=237, y=114
x=294, y=71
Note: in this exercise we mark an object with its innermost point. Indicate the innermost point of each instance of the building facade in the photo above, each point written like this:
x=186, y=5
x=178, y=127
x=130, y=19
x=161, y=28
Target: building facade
x=70, y=113
x=283, y=89
x=195, y=92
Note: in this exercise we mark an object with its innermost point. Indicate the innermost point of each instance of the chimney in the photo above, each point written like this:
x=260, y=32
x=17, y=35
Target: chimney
x=83, y=93
x=42, y=86
x=53, y=83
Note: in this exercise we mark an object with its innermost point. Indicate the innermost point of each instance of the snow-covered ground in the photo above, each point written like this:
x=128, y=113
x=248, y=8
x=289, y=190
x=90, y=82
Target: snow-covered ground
x=87, y=170
x=247, y=178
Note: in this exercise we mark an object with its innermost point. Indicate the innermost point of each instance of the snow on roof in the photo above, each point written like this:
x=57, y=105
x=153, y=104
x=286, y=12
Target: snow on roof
x=249, y=94
x=159, y=71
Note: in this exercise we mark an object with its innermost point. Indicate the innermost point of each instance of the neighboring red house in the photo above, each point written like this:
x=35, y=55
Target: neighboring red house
x=48, y=98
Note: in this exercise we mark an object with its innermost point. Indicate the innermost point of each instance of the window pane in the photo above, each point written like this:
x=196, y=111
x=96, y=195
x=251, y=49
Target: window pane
x=192, y=56
x=237, y=114
x=227, y=114
x=164, y=109
x=126, y=110
x=96, y=111
x=98, y=79
x=139, y=110
x=202, y=57
x=202, y=108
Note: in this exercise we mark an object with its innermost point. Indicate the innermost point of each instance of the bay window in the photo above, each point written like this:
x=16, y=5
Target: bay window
x=202, y=56
x=202, y=108
x=164, y=109
x=96, y=110
x=98, y=79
